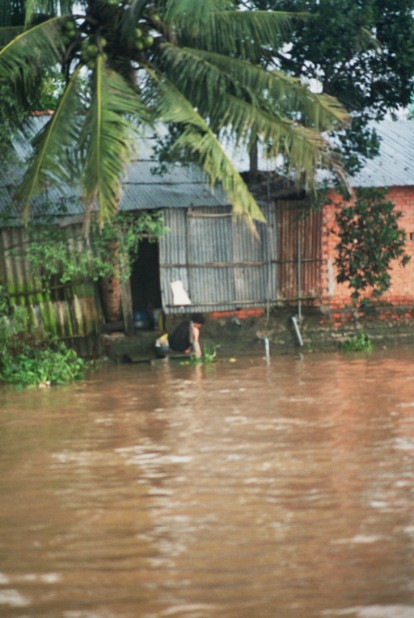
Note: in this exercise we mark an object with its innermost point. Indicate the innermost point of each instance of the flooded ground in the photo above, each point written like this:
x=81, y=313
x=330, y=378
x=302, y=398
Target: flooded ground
x=236, y=490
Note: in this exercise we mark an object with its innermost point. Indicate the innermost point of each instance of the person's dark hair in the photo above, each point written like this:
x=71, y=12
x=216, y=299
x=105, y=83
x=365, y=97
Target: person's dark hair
x=198, y=318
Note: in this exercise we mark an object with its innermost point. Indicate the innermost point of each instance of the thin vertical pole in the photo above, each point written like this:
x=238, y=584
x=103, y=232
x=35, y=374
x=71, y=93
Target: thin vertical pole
x=299, y=277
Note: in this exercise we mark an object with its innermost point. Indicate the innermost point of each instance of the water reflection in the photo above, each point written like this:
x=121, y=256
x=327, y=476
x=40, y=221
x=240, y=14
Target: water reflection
x=234, y=490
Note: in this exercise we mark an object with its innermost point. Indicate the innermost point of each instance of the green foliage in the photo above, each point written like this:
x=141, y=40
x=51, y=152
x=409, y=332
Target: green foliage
x=4, y=302
x=370, y=240
x=28, y=359
x=44, y=366
x=133, y=64
x=209, y=356
x=14, y=322
x=361, y=52
x=357, y=343
x=11, y=116
x=108, y=251
x=51, y=90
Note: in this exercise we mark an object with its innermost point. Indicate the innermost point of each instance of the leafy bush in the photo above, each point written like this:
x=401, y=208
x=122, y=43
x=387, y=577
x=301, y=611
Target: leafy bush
x=108, y=251
x=370, y=239
x=26, y=358
x=44, y=366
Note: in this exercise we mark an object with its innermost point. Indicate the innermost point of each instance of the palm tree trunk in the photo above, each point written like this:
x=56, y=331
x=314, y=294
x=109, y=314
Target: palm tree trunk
x=111, y=291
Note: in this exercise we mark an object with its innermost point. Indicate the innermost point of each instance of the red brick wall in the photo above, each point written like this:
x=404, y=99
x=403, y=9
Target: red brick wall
x=401, y=292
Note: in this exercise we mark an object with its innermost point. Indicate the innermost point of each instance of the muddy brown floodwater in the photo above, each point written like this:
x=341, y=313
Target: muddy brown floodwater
x=235, y=490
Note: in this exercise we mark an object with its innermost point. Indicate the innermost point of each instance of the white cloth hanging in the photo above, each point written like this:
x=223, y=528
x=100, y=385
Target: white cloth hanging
x=180, y=296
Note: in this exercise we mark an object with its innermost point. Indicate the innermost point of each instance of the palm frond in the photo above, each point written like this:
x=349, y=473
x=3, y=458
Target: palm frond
x=107, y=140
x=29, y=51
x=243, y=34
x=367, y=40
x=303, y=149
x=134, y=10
x=8, y=33
x=191, y=14
x=48, y=165
x=205, y=77
x=198, y=139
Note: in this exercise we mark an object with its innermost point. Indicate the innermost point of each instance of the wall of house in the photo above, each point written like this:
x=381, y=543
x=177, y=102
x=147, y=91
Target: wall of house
x=298, y=241
x=401, y=292
x=216, y=261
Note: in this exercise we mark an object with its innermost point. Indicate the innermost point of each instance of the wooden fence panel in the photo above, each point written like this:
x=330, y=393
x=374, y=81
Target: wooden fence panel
x=73, y=312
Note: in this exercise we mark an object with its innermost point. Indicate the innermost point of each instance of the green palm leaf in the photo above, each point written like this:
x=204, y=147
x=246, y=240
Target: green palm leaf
x=28, y=53
x=203, y=75
x=242, y=34
x=107, y=140
x=200, y=69
x=48, y=165
x=190, y=13
x=198, y=139
x=281, y=136
x=8, y=33
x=249, y=103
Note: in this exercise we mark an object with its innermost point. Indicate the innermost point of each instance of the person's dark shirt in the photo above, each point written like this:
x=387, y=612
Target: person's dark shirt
x=180, y=340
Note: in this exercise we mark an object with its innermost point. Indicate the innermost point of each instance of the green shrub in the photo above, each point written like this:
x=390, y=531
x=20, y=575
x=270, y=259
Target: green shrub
x=26, y=357
x=370, y=240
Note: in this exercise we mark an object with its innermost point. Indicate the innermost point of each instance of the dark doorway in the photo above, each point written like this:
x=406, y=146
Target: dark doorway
x=145, y=279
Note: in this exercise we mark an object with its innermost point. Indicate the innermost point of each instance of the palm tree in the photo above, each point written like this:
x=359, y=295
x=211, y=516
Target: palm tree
x=129, y=64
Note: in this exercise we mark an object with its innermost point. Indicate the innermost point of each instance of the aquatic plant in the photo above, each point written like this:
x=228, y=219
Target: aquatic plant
x=357, y=343
x=26, y=357
x=41, y=366
x=209, y=356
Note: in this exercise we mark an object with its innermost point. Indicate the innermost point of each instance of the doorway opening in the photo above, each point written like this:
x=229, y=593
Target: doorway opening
x=145, y=286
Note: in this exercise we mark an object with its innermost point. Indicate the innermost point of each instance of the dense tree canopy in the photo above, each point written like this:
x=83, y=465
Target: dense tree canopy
x=336, y=46
x=129, y=64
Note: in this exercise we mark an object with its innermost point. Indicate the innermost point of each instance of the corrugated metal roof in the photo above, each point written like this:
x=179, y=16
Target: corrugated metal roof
x=187, y=187
x=181, y=187
x=394, y=166
x=143, y=188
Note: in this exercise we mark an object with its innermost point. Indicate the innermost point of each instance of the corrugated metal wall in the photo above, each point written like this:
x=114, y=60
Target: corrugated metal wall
x=221, y=266
x=299, y=256
x=72, y=311
x=219, y=263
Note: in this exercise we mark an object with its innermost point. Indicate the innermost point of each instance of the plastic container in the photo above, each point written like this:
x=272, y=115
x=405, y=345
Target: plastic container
x=141, y=319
